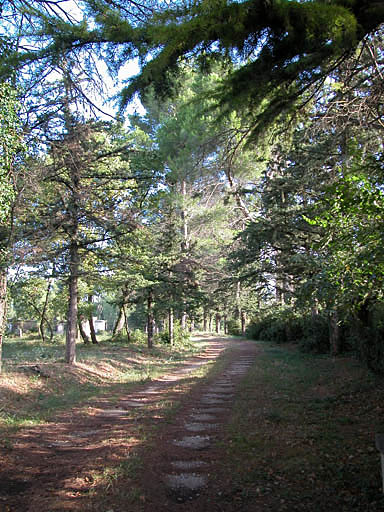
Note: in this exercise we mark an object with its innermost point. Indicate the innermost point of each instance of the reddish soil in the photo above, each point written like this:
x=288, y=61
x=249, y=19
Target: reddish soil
x=56, y=466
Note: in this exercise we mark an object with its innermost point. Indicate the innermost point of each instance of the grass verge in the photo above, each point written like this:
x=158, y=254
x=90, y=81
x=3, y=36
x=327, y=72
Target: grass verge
x=36, y=383
x=302, y=435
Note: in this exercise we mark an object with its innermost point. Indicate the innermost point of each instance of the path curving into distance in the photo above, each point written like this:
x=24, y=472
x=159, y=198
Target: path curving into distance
x=50, y=466
x=183, y=469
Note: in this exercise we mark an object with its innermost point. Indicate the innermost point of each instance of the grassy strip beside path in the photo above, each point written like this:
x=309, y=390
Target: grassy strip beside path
x=302, y=436
x=36, y=383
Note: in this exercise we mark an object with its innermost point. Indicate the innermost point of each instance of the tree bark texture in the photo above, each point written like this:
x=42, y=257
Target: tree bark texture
x=184, y=321
x=120, y=321
x=125, y=317
x=217, y=319
x=150, y=319
x=171, y=331
x=243, y=322
x=70, y=348
x=3, y=310
x=205, y=320
x=91, y=324
x=43, y=313
x=83, y=334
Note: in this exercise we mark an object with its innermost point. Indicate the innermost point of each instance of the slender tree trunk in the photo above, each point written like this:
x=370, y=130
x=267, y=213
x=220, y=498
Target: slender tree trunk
x=171, y=331
x=210, y=322
x=243, y=322
x=92, y=330
x=49, y=325
x=119, y=324
x=205, y=320
x=150, y=321
x=83, y=334
x=41, y=330
x=125, y=316
x=72, y=162
x=184, y=321
x=91, y=324
x=238, y=304
x=3, y=310
x=225, y=324
x=70, y=349
x=44, y=311
x=217, y=318
x=184, y=219
x=192, y=326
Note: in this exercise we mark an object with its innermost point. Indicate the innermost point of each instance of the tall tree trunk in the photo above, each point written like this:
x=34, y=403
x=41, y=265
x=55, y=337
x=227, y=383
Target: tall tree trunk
x=210, y=322
x=91, y=324
x=205, y=320
x=3, y=310
x=171, y=332
x=70, y=348
x=184, y=321
x=184, y=218
x=243, y=322
x=126, y=324
x=192, y=325
x=238, y=304
x=44, y=311
x=120, y=321
x=83, y=334
x=72, y=162
x=225, y=324
x=217, y=318
x=92, y=330
x=50, y=327
x=150, y=319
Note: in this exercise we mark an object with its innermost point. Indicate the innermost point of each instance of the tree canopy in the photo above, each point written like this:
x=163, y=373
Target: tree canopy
x=276, y=52
x=193, y=211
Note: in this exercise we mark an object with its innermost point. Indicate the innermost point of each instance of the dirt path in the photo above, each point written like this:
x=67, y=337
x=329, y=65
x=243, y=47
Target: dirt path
x=63, y=465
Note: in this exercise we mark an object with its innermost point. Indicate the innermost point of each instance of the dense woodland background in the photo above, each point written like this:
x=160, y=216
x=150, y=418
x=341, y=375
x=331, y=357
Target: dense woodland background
x=245, y=196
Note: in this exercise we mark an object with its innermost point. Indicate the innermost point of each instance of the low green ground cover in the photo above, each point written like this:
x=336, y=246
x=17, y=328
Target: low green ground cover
x=303, y=434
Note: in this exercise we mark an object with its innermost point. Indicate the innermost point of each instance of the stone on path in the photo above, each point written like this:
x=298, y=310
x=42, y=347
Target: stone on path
x=133, y=403
x=188, y=464
x=185, y=486
x=214, y=396
x=202, y=417
x=211, y=410
x=86, y=433
x=190, y=481
x=212, y=401
x=113, y=412
x=199, y=427
x=193, y=442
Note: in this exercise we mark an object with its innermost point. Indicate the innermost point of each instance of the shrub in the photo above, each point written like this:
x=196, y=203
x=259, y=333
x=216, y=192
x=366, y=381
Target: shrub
x=315, y=334
x=233, y=327
x=278, y=324
x=181, y=336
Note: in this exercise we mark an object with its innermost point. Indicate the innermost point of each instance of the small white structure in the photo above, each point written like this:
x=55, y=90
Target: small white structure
x=100, y=325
